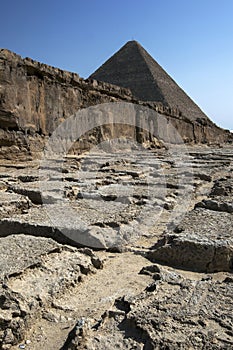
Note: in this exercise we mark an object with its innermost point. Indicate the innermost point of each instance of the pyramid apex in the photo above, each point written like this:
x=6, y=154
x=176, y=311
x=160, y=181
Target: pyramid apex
x=134, y=68
x=132, y=42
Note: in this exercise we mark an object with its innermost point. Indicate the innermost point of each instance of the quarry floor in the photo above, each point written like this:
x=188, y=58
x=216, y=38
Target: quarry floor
x=118, y=249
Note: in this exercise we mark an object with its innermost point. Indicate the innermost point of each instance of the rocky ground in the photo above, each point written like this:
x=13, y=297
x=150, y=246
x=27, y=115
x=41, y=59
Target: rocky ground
x=120, y=248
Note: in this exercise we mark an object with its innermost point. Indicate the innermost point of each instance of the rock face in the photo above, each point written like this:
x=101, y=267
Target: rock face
x=36, y=98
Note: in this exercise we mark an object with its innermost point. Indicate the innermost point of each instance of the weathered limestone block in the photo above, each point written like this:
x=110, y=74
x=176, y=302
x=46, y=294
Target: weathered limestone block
x=12, y=203
x=172, y=313
x=28, y=283
x=201, y=242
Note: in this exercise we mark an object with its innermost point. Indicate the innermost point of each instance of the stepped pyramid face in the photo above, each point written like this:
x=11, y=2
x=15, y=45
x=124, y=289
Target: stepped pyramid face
x=132, y=67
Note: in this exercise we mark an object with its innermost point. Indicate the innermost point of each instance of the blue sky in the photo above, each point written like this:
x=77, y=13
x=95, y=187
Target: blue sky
x=191, y=39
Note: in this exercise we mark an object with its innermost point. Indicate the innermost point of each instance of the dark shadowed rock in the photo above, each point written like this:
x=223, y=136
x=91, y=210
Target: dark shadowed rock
x=216, y=205
x=222, y=187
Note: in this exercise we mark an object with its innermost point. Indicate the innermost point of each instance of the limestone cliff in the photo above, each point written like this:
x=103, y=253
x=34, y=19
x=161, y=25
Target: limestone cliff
x=35, y=98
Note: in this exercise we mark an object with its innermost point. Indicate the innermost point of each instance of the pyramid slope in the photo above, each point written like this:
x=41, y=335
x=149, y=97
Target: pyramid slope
x=132, y=67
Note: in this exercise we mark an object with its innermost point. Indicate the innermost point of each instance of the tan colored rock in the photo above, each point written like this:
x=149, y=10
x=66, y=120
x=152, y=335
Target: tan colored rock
x=34, y=272
x=36, y=98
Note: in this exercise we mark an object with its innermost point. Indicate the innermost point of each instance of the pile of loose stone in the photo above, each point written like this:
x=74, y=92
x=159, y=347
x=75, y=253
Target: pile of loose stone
x=171, y=207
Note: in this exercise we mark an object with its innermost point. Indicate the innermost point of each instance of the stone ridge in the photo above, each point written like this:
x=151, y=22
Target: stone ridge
x=9, y=60
x=41, y=70
x=37, y=85
x=35, y=98
x=133, y=67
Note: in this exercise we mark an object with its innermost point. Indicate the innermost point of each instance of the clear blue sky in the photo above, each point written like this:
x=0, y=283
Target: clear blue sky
x=191, y=39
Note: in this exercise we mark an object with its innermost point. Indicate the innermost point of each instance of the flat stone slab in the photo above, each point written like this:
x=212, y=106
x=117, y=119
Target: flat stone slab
x=76, y=227
x=18, y=252
x=203, y=241
x=40, y=192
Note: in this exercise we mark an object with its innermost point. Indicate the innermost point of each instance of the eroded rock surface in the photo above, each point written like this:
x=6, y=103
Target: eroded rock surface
x=177, y=313
x=169, y=206
x=36, y=98
x=34, y=272
x=202, y=241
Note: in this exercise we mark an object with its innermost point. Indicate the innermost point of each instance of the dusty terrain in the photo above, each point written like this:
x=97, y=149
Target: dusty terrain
x=156, y=269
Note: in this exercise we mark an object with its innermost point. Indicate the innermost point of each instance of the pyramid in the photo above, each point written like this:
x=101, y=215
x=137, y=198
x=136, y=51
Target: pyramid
x=134, y=68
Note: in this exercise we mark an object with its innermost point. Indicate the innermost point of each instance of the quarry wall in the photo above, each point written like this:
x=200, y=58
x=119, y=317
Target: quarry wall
x=35, y=98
